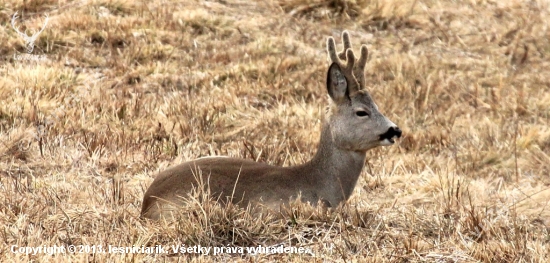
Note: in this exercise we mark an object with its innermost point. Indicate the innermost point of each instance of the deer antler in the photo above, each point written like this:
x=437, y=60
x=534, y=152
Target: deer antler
x=14, y=17
x=347, y=68
x=359, y=71
x=29, y=40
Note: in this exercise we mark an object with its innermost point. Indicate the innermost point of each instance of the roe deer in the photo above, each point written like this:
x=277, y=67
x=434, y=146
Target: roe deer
x=353, y=125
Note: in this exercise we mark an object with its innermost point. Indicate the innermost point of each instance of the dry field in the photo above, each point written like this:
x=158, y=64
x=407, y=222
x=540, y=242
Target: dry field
x=128, y=88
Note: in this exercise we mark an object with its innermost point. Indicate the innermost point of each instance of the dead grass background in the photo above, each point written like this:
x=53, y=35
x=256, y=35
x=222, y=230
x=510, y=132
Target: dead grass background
x=129, y=88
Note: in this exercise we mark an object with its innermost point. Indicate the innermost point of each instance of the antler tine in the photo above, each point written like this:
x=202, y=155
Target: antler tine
x=331, y=46
x=13, y=18
x=360, y=70
x=347, y=44
x=348, y=71
x=350, y=60
x=363, y=57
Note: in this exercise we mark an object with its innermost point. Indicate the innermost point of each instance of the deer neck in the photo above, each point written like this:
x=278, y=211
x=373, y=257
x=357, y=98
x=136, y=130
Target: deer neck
x=335, y=168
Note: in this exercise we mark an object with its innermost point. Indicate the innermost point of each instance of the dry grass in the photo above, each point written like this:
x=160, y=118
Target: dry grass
x=130, y=88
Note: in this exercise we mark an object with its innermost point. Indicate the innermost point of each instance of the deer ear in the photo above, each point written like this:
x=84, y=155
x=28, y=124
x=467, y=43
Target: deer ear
x=337, y=84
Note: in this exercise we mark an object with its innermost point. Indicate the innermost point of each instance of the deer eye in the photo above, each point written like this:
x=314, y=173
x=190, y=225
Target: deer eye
x=361, y=113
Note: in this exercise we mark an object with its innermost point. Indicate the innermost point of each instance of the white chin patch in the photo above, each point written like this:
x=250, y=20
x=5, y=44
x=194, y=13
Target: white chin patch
x=387, y=142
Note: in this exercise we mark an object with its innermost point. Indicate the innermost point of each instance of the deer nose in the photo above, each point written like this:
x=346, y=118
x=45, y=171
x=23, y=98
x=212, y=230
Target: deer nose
x=393, y=131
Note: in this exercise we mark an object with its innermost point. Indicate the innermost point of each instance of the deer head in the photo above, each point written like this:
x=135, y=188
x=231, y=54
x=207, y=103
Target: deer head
x=355, y=122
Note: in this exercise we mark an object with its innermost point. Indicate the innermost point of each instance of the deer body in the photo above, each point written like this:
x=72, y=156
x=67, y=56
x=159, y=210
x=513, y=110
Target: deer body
x=353, y=126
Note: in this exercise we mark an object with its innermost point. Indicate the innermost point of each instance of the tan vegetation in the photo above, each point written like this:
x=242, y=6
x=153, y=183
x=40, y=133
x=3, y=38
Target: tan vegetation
x=130, y=88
